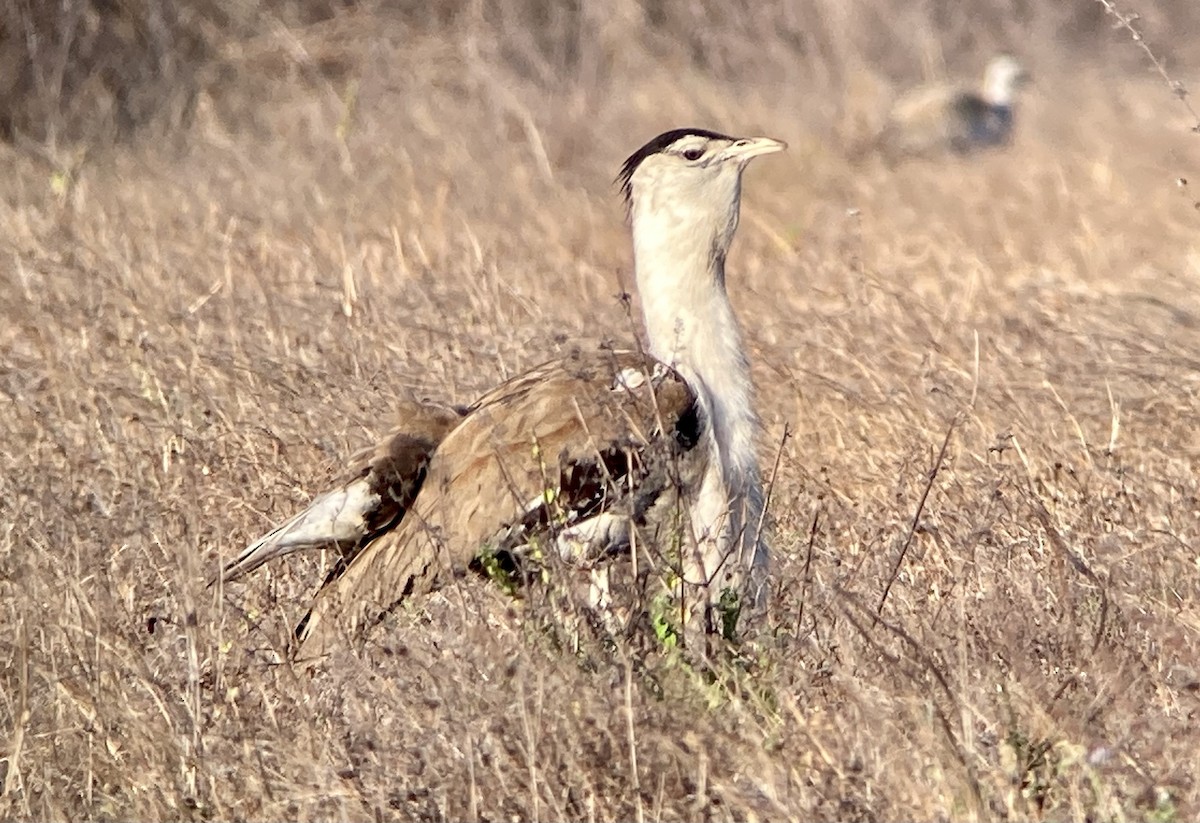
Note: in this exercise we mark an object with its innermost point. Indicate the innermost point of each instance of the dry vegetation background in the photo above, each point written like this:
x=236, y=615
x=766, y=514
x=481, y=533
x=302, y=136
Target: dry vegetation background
x=232, y=233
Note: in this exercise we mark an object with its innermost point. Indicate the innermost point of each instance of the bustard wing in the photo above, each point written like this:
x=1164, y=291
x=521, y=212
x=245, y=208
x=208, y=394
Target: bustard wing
x=377, y=488
x=552, y=449
x=925, y=119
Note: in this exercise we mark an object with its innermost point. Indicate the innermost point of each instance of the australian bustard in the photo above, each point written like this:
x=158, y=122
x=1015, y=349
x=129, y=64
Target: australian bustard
x=580, y=450
x=948, y=116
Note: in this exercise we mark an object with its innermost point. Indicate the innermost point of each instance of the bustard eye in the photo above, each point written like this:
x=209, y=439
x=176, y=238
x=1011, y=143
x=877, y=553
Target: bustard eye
x=693, y=154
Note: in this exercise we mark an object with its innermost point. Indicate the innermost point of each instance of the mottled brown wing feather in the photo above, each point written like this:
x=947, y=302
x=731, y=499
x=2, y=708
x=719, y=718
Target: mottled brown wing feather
x=396, y=465
x=396, y=469
x=504, y=455
x=417, y=421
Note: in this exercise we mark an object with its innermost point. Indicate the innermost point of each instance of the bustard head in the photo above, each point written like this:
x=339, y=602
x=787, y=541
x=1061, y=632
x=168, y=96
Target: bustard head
x=687, y=183
x=1003, y=76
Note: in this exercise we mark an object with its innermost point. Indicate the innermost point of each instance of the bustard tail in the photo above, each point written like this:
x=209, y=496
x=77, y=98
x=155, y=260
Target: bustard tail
x=378, y=489
x=337, y=518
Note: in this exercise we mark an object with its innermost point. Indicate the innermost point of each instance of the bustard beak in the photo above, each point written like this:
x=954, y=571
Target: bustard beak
x=749, y=147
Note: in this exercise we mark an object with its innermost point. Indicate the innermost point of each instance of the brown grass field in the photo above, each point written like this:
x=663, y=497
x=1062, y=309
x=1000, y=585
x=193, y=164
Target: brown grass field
x=213, y=296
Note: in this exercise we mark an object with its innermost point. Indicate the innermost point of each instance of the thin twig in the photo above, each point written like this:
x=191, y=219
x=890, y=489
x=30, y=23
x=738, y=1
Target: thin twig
x=926, y=661
x=1077, y=563
x=807, y=581
x=912, y=527
x=631, y=739
x=762, y=516
x=768, y=494
x=1126, y=22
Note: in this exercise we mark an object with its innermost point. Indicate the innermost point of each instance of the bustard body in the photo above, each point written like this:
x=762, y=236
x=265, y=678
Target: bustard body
x=949, y=117
x=578, y=452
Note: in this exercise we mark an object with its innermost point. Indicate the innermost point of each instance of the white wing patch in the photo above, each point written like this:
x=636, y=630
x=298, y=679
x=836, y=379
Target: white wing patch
x=594, y=538
x=630, y=378
x=578, y=543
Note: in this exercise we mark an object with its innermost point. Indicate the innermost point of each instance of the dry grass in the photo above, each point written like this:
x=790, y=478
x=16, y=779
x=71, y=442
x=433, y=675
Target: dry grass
x=196, y=327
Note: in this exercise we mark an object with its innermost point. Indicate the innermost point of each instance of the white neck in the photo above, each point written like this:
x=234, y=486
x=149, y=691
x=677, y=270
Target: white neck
x=999, y=88
x=690, y=325
x=679, y=255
